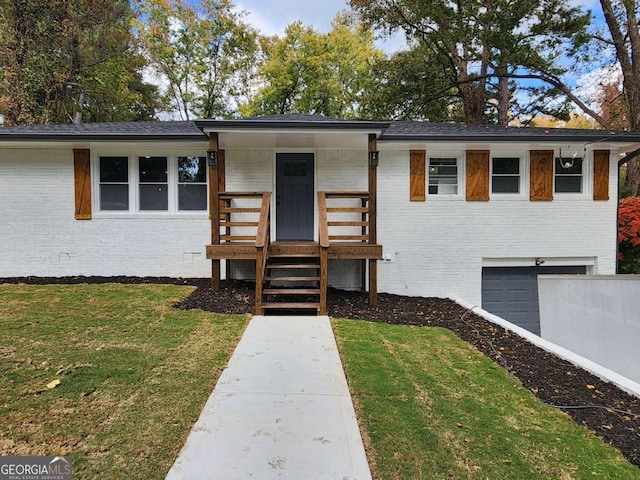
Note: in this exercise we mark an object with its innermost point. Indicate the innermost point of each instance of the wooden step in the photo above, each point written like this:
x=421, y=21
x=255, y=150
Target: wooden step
x=290, y=306
x=306, y=266
x=291, y=291
x=294, y=255
x=294, y=250
x=291, y=279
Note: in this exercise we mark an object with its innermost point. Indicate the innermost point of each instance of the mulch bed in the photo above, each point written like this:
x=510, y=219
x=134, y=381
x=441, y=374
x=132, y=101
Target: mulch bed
x=551, y=379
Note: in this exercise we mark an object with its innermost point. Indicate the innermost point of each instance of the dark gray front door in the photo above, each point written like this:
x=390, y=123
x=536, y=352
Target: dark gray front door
x=512, y=292
x=294, y=196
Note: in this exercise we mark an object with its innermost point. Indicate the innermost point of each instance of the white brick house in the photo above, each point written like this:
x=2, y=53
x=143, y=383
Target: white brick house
x=459, y=211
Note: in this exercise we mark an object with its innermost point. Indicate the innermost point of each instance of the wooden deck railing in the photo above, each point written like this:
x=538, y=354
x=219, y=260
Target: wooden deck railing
x=359, y=212
x=262, y=247
x=229, y=208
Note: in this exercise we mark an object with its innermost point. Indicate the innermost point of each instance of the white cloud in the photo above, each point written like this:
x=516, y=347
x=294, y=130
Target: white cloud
x=589, y=85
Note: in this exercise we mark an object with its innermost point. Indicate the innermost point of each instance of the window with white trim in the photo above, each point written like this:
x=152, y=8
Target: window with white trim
x=152, y=184
x=443, y=176
x=505, y=175
x=114, y=183
x=569, y=175
x=192, y=183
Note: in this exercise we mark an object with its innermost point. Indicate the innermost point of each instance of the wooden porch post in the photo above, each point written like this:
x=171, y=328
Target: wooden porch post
x=373, y=221
x=214, y=208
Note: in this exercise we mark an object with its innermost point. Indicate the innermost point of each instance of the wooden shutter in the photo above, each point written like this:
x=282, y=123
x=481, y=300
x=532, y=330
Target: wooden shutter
x=417, y=172
x=477, y=175
x=82, y=176
x=541, y=175
x=601, y=174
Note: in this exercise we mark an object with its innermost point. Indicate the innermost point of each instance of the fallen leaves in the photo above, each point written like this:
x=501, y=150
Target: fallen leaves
x=53, y=384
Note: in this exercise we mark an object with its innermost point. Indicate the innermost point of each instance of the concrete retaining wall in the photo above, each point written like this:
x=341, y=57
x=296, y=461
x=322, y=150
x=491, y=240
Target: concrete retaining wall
x=597, y=317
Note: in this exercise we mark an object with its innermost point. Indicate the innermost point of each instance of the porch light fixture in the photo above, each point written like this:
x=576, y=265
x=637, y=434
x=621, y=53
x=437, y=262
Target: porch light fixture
x=212, y=158
x=374, y=158
x=567, y=163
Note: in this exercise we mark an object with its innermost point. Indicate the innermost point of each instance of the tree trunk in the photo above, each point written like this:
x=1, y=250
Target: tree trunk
x=77, y=116
x=503, y=101
x=628, y=56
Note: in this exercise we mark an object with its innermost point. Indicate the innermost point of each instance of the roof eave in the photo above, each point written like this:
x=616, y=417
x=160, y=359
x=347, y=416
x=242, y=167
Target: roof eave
x=216, y=125
x=510, y=138
x=89, y=137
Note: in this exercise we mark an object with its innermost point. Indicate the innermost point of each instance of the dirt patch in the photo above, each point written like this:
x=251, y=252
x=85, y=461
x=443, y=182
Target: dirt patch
x=553, y=380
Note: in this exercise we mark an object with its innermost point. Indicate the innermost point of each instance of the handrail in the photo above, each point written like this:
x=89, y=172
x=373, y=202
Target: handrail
x=228, y=195
x=362, y=223
x=263, y=223
x=323, y=226
x=323, y=240
x=262, y=246
x=346, y=194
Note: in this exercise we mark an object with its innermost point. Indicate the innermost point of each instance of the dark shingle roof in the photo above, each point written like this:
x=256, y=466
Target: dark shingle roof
x=178, y=130
x=295, y=121
x=434, y=131
x=391, y=131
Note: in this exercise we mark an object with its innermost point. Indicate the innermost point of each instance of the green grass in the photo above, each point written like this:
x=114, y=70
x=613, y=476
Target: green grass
x=134, y=374
x=432, y=407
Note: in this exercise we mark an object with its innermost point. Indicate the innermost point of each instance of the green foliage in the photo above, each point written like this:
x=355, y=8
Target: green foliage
x=629, y=235
x=624, y=189
x=406, y=89
x=310, y=72
x=205, y=52
x=70, y=60
x=475, y=54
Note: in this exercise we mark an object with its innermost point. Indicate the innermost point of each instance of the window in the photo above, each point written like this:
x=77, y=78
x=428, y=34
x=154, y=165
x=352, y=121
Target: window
x=443, y=176
x=114, y=183
x=192, y=183
x=154, y=184
x=568, y=175
x=505, y=175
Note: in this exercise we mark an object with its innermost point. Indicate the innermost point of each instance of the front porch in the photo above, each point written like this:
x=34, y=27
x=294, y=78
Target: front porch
x=335, y=224
x=294, y=274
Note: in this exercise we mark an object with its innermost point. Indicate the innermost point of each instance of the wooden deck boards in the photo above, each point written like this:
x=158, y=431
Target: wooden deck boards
x=336, y=250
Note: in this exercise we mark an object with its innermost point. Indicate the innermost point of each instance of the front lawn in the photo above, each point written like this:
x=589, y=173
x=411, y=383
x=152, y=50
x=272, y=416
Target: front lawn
x=430, y=406
x=134, y=374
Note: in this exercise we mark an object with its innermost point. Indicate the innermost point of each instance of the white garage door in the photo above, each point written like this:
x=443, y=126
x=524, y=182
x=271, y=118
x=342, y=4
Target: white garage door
x=512, y=292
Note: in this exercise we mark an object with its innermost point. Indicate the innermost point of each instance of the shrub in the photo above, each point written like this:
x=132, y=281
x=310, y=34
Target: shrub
x=629, y=235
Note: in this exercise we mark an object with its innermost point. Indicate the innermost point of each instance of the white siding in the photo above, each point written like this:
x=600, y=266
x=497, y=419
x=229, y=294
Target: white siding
x=436, y=247
x=40, y=236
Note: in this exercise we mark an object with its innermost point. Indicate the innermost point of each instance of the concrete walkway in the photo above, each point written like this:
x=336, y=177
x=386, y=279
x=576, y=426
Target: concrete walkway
x=281, y=409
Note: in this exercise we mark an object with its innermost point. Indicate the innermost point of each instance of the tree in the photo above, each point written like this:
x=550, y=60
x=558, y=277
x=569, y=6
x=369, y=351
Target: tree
x=66, y=60
x=205, y=53
x=621, y=18
x=310, y=72
x=406, y=88
x=576, y=120
x=629, y=235
x=621, y=40
x=478, y=49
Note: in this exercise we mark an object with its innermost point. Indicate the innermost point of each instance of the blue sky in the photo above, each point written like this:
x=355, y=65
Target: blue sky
x=272, y=16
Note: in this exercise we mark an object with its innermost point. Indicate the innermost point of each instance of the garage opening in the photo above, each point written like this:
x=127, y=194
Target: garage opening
x=512, y=292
